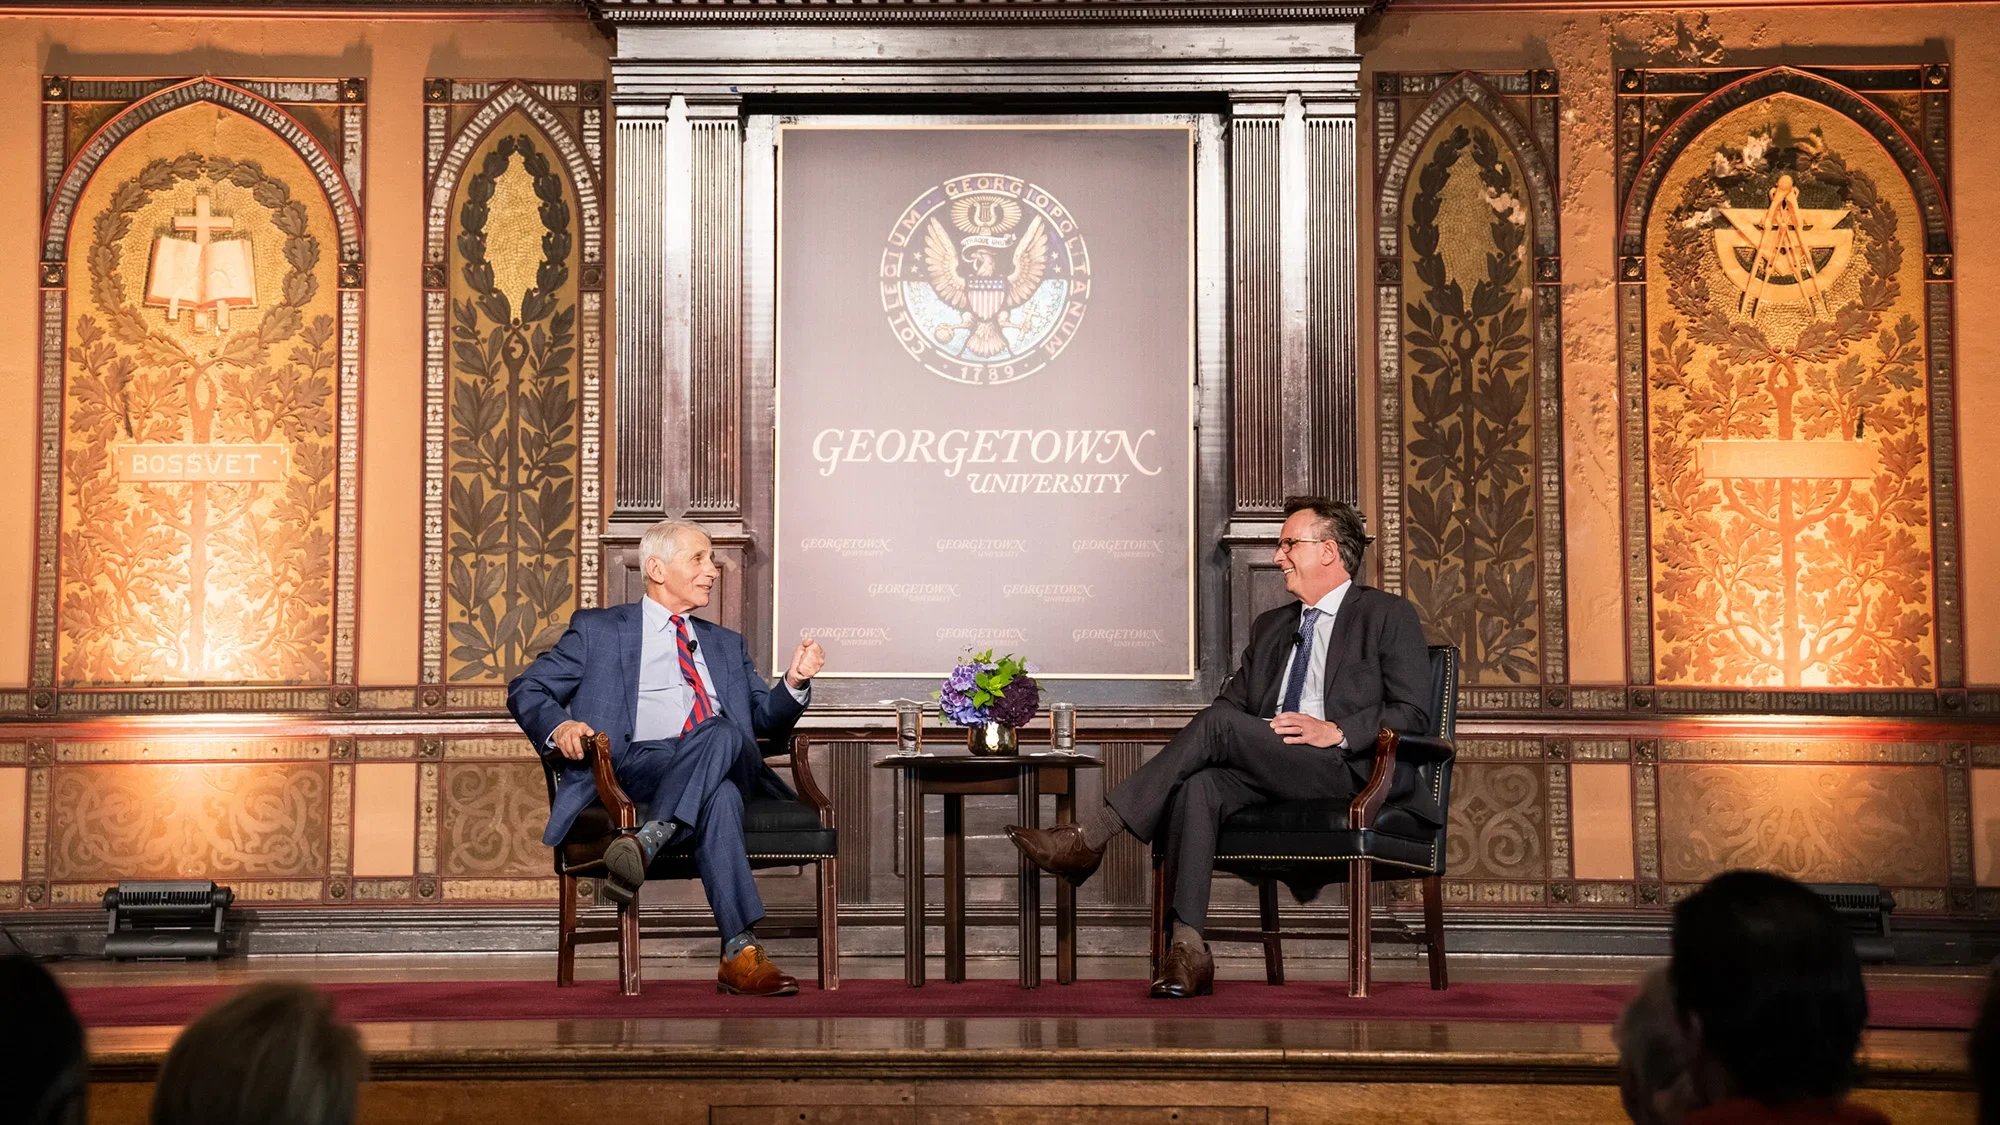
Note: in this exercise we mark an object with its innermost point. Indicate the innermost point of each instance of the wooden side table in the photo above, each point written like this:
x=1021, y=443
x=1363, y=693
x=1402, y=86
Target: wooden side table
x=956, y=776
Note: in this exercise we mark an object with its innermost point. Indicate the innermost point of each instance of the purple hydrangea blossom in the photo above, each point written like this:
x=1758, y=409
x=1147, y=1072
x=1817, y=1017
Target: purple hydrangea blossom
x=1017, y=704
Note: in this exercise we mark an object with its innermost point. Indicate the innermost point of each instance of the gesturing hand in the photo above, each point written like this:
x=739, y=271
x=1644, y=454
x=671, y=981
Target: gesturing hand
x=807, y=660
x=1302, y=729
x=569, y=738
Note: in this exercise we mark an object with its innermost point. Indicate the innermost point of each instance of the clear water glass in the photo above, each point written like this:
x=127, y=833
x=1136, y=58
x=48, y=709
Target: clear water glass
x=909, y=727
x=1062, y=727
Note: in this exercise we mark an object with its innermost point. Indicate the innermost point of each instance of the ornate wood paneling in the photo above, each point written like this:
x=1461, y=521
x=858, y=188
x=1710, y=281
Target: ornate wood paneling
x=1789, y=459
x=638, y=490
x=1257, y=373
x=513, y=379
x=262, y=824
x=198, y=504
x=490, y=820
x=716, y=359
x=1469, y=377
x=1331, y=325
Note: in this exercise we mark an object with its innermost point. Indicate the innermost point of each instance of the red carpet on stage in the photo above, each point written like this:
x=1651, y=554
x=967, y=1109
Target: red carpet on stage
x=404, y=1001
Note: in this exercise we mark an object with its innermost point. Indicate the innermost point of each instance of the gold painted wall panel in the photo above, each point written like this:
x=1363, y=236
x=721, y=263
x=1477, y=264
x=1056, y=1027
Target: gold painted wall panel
x=228, y=579
x=219, y=822
x=491, y=819
x=513, y=509
x=1825, y=824
x=1470, y=401
x=1499, y=819
x=1821, y=576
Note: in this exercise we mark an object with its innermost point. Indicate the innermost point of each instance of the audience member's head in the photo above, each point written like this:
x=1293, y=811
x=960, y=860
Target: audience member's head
x=1769, y=989
x=1653, y=1078
x=42, y=1061
x=269, y=1055
x=1984, y=1051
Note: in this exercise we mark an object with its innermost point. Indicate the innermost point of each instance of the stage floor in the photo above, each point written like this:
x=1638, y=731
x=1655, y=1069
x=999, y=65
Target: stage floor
x=1174, y=1067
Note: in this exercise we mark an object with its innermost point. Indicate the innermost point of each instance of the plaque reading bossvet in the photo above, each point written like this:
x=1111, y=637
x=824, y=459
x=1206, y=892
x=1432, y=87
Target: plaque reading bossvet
x=985, y=364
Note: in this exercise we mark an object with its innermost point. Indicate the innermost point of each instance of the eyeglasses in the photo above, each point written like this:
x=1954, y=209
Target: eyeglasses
x=1285, y=545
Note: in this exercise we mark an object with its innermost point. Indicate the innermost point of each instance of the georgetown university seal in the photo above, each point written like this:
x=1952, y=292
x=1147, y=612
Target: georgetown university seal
x=984, y=278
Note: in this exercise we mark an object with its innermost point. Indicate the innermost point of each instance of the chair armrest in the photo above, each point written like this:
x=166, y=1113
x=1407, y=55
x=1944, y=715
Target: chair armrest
x=1423, y=750
x=1367, y=804
x=808, y=786
x=597, y=751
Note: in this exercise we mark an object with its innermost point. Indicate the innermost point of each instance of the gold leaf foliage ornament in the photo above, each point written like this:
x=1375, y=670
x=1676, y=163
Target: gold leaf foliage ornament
x=512, y=506
x=198, y=470
x=1469, y=490
x=1788, y=413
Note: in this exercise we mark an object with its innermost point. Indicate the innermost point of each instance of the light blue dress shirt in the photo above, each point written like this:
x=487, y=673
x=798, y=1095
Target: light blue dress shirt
x=665, y=697
x=1313, y=702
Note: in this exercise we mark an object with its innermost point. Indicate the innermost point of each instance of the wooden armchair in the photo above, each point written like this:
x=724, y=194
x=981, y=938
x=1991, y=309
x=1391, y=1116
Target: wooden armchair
x=776, y=833
x=1312, y=843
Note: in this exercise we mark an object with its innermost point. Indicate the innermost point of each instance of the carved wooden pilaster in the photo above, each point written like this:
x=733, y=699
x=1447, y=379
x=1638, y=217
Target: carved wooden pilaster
x=1331, y=345
x=715, y=170
x=639, y=479
x=1257, y=309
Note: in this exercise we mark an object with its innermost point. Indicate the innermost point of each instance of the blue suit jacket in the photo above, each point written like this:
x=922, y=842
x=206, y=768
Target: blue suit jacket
x=592, y=674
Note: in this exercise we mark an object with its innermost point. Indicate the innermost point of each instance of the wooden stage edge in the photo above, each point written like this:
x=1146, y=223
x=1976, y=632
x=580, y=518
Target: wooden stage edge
x=1083, y=1071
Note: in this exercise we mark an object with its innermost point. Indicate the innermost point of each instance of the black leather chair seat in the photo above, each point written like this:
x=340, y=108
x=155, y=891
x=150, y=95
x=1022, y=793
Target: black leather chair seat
x=1324, y=847
x=776, y=833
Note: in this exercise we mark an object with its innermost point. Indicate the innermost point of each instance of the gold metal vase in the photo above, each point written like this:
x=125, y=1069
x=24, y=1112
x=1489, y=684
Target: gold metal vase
x=992, y=740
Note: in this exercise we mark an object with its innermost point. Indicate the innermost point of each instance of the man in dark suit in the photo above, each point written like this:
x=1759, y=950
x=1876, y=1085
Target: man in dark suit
x=1296, y=720
x=684, y=706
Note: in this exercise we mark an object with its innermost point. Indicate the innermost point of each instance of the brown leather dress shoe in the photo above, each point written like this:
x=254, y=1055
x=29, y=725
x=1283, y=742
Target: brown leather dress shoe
x=750, y=973
x=1188, y=972
x=1058, y=851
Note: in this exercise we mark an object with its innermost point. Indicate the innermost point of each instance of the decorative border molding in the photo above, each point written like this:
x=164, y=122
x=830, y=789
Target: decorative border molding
x=339, y=176
x=1658, y=113
x=1504, y=98
x=550, y=107
x=905, y=12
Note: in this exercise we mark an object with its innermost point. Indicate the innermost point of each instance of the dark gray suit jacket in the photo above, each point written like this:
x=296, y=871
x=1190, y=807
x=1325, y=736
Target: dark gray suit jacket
x=1378, y=674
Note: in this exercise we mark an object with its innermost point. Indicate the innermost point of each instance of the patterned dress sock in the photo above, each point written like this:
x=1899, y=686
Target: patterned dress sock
x=1099, y=827
x=738, y=944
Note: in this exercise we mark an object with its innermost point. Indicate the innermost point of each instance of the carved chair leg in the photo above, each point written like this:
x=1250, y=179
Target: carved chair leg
x=1159, y=915
x=829, y=925
x=1434, y=930
x=566, y=932
x=628, y=948
x=1358, y=928
x=1267, y=914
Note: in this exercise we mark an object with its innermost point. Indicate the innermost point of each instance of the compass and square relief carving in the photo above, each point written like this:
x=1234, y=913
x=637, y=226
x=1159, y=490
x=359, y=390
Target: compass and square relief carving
x=1796, y=401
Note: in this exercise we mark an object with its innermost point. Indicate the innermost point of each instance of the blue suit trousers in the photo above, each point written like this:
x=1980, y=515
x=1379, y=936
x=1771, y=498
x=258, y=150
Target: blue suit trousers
x=698, y=780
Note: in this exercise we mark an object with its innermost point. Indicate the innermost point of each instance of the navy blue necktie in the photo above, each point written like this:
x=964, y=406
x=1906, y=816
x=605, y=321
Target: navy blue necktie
x=1295, y=684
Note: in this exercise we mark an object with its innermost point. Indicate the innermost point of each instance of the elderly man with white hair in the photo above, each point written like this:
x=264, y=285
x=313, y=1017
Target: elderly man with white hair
x=684, y=707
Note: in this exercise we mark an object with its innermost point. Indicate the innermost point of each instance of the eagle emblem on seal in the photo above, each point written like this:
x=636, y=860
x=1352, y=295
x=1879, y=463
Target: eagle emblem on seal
x=985, y=278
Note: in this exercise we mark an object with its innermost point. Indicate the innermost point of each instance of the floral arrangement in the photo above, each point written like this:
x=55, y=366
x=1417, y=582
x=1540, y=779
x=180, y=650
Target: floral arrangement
x=984, y=689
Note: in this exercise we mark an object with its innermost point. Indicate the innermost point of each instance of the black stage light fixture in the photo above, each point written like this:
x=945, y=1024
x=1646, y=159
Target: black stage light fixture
x=165, y=919
x=1865, y=907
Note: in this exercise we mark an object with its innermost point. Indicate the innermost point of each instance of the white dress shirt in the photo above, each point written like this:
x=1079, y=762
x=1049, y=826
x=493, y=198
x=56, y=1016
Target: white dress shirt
x=1313, y=700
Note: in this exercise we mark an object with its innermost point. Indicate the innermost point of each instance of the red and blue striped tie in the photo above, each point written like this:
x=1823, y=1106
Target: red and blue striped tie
x=700, y=711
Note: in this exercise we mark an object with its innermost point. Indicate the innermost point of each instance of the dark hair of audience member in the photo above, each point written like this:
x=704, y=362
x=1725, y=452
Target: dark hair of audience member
x=271, y=1054
x=43, y=1067
x=1983, y=1051
x=1653, y=1079
x=1765, y=975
